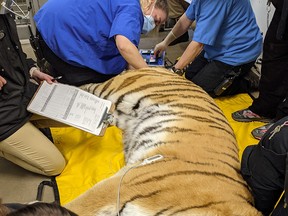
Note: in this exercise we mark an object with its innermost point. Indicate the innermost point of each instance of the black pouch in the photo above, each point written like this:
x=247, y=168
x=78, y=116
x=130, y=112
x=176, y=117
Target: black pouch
x=226, y=83
x=35, y=44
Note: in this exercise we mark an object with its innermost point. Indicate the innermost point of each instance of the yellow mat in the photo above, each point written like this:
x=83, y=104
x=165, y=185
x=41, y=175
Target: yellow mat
x=242, y=130
x=92, y=159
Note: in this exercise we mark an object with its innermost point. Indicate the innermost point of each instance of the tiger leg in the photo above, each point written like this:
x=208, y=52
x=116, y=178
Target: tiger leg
x=101, y=199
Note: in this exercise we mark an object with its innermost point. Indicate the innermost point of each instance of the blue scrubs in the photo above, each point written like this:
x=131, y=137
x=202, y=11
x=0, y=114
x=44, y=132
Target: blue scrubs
x=81, y=32
x=228, y=30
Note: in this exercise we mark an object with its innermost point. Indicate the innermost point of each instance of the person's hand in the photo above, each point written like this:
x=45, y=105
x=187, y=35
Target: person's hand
x=40, y=76
x=160, y=48
x=2, y=82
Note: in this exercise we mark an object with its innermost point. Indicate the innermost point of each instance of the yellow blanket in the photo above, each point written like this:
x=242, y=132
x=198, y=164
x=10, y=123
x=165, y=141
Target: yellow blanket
x=92, y=159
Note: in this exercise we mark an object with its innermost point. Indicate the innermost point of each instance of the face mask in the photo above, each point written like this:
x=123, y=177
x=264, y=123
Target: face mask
x=149, y=23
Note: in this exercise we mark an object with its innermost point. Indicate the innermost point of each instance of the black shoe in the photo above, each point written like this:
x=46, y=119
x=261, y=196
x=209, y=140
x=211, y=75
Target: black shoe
x=181, y=39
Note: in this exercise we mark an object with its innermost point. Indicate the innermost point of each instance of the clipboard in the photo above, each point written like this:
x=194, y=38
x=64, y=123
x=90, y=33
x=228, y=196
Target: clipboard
x=72, y=106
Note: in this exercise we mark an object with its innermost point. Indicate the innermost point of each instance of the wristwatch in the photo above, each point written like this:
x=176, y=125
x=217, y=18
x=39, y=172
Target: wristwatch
x=180, y=72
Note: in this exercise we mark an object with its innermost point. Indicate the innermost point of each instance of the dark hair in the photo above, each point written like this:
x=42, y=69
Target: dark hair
x=42, y=209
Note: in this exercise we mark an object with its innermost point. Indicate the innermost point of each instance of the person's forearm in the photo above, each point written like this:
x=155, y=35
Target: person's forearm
x=130, y=52
x=191, y=52
x=179, y=29
x=133, y=57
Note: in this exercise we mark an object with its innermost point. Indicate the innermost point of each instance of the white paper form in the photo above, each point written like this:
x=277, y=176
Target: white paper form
x=70, y=105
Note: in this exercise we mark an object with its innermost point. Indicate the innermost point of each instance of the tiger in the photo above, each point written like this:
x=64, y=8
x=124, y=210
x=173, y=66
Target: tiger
x=180, y=151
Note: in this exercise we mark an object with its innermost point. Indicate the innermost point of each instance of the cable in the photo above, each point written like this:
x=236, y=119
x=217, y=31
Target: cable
x=120, y=182
x=23, y=16
x=144, y=162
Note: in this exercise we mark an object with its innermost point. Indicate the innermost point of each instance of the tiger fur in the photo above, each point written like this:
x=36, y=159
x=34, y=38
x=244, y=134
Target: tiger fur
x=162, y=113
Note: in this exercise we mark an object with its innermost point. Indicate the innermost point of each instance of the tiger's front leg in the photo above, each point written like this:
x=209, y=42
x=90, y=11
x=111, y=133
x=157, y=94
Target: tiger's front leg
x=113, y=195
x=99, y=200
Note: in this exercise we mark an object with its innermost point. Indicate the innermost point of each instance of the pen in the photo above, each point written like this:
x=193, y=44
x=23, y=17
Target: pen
x=56, y=78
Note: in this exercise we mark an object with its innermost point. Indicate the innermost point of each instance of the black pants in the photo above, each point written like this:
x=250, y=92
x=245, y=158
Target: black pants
x=210, y=74
x=282, y=109
x=71, y=74
x=273, y=86
x=264, y=167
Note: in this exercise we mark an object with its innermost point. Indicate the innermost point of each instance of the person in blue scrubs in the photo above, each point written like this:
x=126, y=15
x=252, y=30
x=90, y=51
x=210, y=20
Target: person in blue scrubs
x=91, y=41
x=225, y=45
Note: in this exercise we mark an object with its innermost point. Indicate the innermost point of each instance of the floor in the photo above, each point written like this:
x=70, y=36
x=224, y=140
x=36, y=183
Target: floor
x=19, y=185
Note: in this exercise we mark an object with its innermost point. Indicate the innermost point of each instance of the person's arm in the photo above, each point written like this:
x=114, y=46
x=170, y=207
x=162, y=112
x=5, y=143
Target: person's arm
x=39, y=76
x=35, y=73
x=191, y=52
x=182, y=26
x=130, y=52
x=2, y=82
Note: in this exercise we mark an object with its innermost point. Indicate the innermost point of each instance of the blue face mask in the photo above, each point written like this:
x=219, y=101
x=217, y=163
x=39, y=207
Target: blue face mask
x=149, y=23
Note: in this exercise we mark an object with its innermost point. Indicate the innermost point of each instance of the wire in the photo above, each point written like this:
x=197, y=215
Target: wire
x=120, y=182
x=23, y=16
x=144, y=162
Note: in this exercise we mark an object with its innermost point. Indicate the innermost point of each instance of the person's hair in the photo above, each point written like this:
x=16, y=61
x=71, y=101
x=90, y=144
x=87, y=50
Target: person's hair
x=4, y=210
x=38, y=209
x=161, y=4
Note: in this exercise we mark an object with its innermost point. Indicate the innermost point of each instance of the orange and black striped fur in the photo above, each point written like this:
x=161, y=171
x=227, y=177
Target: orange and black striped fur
x=162, y=113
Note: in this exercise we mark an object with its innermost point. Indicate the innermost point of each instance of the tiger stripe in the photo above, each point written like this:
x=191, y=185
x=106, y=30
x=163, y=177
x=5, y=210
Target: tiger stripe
x=162, y=113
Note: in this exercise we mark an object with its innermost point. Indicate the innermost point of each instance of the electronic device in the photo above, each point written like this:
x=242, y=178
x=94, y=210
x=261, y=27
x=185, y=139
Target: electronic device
x=152, y=159
x=223, y=86
x=150, y=59
x=227, y=82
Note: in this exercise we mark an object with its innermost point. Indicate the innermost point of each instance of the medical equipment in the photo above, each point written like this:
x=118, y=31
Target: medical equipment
x=151, y=59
